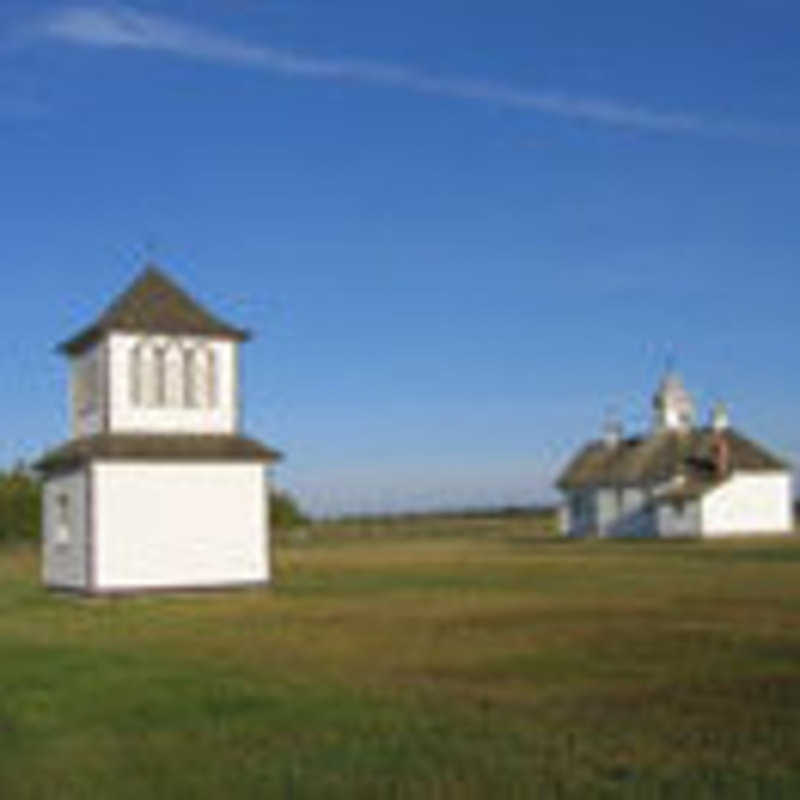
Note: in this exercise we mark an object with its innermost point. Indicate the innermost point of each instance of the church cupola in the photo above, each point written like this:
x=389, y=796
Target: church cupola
x=673, y=406
x=720, y=420
x=155, y=361
x=612, y=432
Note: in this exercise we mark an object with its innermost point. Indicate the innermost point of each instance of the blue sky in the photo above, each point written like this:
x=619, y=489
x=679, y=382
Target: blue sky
x=461, y=231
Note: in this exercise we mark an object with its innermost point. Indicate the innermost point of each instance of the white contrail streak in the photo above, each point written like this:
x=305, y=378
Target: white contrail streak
x=127, y=28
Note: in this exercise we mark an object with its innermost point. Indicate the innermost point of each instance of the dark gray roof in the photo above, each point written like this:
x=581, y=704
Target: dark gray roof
x=155, y=447
x=662, y=456
x=153, y=304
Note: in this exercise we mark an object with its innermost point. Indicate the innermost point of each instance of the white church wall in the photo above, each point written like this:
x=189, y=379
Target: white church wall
x=564, y=518
x=64, y=527
x=747, y=503
x=579, y=514
x=207, y=411
x=87, y=378
x=180, y=525
x=634, y=517
x=607, y=510
x=678, y=519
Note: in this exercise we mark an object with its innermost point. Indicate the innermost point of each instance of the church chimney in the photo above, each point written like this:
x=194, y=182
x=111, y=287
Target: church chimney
x=720, y=447
x=721, y=454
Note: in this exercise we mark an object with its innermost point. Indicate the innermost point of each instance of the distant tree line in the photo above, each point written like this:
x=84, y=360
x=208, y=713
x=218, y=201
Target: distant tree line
x=491, y=512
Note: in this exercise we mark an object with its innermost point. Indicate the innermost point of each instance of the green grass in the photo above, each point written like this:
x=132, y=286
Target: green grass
x=472, y=661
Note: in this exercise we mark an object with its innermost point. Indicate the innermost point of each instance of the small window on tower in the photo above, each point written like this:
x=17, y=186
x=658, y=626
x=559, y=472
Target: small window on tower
x=63, y=521
x=211, y=379
x=189, y=379
x=87, y=385
x=160, y=370
x=136, y=375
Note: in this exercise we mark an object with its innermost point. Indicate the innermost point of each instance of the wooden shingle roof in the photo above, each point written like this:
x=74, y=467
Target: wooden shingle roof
x=661, y=457
x=153, y=303
x=155, y=447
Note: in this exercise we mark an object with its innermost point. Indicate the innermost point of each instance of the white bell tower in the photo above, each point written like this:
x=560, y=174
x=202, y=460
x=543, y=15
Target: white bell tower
x=157, y=488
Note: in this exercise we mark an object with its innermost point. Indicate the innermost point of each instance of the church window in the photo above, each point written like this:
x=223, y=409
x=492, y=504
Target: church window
x=211, y=379
x=160, y=375
x=189, y=378
x=87, y=384
x=171, y=375
x=92, y=383
x=173, y=365
x=136, y=375
x=62, y=526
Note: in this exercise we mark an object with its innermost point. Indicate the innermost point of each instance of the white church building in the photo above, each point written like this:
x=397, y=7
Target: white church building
x=676, y=480
x=157, y=488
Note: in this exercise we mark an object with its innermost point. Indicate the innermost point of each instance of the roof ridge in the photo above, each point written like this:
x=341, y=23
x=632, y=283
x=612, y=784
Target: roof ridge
x=660, y=456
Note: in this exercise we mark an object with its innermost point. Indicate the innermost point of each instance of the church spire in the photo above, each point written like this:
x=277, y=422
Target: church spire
x=673, y=406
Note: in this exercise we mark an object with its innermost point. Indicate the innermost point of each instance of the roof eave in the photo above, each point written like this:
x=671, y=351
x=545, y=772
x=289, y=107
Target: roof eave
x=83, y=340
x=80, y=342
x=96, y=448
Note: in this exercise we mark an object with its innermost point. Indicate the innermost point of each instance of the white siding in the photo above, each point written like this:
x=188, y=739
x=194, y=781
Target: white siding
x=564, y=519
x=64, y=561
x=678, y=519
x=578, y=517
x=757, y=502
x=175, y=524
x=87, y=397
x=126, y=416
x=635, y=517
x=607, y=511
x=610, y=512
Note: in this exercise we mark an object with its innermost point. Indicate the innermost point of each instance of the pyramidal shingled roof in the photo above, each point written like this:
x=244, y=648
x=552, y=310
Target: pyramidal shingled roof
x=153, y=303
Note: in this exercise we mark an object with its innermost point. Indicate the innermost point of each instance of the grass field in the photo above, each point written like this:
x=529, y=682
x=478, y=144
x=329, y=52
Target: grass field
x=474, y=660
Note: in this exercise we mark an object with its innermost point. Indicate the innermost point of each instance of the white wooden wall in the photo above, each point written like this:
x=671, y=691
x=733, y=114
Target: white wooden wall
x=679, y=519
x=64, y=562
x=579, y=513
x=87, y=397
x=180, y=525
x=748, y=503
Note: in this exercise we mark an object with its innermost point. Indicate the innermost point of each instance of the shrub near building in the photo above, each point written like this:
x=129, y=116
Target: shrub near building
x=20, y=506
x=284, y=511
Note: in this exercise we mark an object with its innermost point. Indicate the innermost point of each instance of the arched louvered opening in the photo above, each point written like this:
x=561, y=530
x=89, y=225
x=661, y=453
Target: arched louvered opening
x=200, y=367
x=212, y=388
x=189, y=366
x=86, y=385
x=135, y=375
x=159, y=373
x=174, y=375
